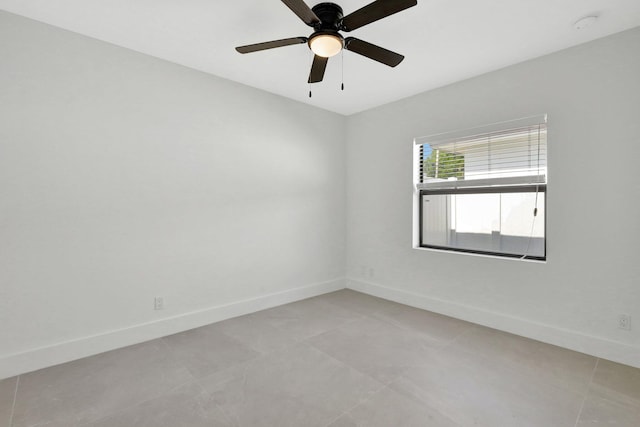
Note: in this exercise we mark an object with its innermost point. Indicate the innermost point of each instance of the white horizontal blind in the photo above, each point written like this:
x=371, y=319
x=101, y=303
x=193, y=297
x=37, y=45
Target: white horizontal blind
x=512, y=156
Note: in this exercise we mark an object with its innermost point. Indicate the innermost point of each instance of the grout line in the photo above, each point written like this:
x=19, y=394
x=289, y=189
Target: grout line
x=172, y=355
x=192, y=379
x=345, y=323
x=451, y=342
x=346, y=411
x=586, y=394
x=353, y=368
x=13, y=405
x=141, y=402
x=439, y=344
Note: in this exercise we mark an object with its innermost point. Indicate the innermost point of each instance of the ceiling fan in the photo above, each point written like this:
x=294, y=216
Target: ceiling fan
x=326, y=41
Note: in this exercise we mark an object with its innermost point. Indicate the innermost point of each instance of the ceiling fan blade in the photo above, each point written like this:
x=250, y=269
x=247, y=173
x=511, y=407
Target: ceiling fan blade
x=372, y=51
x=374, y=11
x=317, y=69
x=300, y=8
x=270, y=45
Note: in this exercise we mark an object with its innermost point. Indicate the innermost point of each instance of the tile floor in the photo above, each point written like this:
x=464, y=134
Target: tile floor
x=341, y=359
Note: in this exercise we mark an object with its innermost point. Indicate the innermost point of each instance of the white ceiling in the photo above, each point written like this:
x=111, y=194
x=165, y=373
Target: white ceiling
x=443, y=40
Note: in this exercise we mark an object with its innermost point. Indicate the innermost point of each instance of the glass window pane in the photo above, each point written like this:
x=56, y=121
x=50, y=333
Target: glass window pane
x=477, y=213
x=436, y=217
x=486, y=222
x=521, y=231
x=477, y=222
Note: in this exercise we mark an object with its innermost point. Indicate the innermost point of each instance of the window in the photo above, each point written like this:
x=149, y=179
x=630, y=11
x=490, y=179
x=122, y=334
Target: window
x=484, y=191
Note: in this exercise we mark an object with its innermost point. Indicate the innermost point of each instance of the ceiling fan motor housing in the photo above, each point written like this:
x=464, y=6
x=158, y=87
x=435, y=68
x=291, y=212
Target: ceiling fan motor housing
x=330, y=15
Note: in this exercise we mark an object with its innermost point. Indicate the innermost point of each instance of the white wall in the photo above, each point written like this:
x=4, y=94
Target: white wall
x=592, y=274
x=123, y=177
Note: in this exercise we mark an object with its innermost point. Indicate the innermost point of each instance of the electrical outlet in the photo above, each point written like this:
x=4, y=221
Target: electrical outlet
x=624, y=322
x=158, y=303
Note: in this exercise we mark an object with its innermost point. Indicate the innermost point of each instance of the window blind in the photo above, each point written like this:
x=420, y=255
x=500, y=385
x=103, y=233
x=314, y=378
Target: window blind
x=515, y=156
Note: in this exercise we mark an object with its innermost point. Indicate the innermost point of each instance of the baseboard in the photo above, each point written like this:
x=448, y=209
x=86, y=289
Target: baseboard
x=573, y=340
x=38, y=358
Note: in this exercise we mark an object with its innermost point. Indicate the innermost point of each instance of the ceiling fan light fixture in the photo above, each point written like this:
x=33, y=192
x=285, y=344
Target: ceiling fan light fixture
x=326, y=44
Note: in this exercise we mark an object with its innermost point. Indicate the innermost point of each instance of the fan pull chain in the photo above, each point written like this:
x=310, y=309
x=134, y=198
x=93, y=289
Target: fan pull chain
x=342, y=61
x=310, y=65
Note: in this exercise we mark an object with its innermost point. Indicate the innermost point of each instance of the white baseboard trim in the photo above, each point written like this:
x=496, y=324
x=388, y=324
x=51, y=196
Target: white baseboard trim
x=573, y=340
x=38, y=358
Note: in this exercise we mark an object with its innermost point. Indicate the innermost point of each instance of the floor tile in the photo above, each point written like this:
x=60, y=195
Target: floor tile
x=295, y=386
x=344, y=421
x=7, y=393
x=255, y=333
x=206, y=350
x=185, y=406
x=473, y=390
x=374, y=347
x=564, y=368
x=390, y=408
x=617, y=382
x=90, y=388
x=307, y=318
x=436, y=327
x=598, y=411
x=341, y=359
x=359, y=302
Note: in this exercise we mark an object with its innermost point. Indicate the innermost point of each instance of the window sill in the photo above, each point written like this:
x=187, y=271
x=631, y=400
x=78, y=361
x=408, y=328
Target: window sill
x=535, y=261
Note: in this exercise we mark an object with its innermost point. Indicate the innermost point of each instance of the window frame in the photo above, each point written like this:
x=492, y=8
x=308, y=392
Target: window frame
x=540, y=188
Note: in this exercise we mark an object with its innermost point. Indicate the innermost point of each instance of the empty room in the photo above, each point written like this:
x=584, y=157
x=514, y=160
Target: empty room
x=302, y=213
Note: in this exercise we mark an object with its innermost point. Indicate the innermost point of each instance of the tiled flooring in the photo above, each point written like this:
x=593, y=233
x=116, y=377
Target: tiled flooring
x=342, y=359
